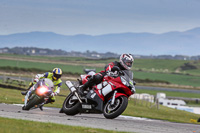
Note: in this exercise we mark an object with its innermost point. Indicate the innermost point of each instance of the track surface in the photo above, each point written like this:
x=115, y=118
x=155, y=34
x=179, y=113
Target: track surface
x=122, y=123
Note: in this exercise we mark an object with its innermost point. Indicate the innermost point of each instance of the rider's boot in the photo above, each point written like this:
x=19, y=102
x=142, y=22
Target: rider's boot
x=50, y=100
x=81, y=89
x=41, y=106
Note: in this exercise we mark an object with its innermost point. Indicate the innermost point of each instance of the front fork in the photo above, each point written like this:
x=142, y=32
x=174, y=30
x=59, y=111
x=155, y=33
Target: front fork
x=76, y=94
x=113, y=98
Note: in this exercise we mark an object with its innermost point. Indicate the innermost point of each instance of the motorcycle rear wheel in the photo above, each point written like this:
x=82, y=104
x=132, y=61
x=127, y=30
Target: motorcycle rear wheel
x=71, y=107
x=113, y=111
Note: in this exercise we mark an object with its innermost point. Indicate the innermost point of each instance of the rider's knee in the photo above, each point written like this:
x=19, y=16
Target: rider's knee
x=51, y=100
x=98, y=78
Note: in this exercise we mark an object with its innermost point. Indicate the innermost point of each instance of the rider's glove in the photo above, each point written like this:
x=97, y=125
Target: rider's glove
x=37, y=77
x=109, y=73
x=53, y=94
x=36, y=80
x=112, y=74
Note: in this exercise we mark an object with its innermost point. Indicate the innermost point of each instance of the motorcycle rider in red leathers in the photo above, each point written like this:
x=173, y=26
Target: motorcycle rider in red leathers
x=125, y=63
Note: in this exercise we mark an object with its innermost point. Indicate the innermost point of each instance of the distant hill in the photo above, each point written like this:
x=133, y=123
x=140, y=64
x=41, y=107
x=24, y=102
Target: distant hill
x=171, y=43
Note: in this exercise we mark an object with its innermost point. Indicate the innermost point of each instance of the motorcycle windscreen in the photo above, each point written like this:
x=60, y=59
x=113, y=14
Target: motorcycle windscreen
x=128, y=74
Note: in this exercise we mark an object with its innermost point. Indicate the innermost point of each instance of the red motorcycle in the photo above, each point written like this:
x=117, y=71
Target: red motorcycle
x=110, y=97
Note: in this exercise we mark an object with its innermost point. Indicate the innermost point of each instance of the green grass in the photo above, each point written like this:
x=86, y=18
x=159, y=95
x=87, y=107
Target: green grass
x=24, y=126
x=41, y=66
x=193, y=72
x=153, y=69
x=142, y=109
x=171, y=78
x=148, y=64
x=167, y=66
x=169, y=93
x=79, y=59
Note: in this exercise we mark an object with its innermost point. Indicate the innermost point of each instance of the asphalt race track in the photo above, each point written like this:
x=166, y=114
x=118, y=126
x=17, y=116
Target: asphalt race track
x=122, y=123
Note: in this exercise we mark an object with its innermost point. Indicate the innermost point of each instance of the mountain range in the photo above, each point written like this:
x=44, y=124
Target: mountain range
x=170, y=43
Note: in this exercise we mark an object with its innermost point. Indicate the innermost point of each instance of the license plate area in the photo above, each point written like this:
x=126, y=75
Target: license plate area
x=86, y=106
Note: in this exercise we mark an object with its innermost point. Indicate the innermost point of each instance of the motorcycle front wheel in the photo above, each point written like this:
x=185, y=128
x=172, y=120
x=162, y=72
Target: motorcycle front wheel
x=71, y=107
x=113, y=111
x=34, y=100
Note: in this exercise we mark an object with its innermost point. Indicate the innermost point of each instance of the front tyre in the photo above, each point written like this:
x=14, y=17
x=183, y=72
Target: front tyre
x=113, y=111
x=35, y=100
x=71, y=107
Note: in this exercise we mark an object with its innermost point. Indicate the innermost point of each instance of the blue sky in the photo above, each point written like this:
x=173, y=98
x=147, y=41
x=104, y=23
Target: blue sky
x=96, y=17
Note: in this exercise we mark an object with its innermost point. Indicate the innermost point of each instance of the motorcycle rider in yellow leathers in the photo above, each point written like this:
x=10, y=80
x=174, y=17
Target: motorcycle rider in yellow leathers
x=55, y=76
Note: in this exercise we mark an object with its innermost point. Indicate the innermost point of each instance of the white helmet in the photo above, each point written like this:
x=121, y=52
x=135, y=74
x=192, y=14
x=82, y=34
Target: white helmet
x=126, y=60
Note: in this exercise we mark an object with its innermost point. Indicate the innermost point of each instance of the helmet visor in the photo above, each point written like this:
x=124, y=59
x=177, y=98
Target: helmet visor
x=57, y=76
x=128, y=62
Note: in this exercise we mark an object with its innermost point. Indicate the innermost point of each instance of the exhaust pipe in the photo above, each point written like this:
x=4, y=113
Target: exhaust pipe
x=73, y=89
x=70, y=86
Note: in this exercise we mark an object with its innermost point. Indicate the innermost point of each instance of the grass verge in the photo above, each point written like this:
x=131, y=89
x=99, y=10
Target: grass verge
x=24, y=126
x=147, y=110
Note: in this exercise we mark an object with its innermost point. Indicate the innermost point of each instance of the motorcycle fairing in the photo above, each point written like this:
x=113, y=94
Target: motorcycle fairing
x=84, y=78
x=108, y=85
x=120, y=94
x=92, y=96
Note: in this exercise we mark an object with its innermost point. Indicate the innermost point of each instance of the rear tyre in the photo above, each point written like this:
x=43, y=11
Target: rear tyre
x=71, y=107
x=113, y=111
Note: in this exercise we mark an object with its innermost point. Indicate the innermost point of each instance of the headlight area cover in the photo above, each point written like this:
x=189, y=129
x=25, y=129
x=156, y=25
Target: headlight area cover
x=124, y=81
x=41, y=90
